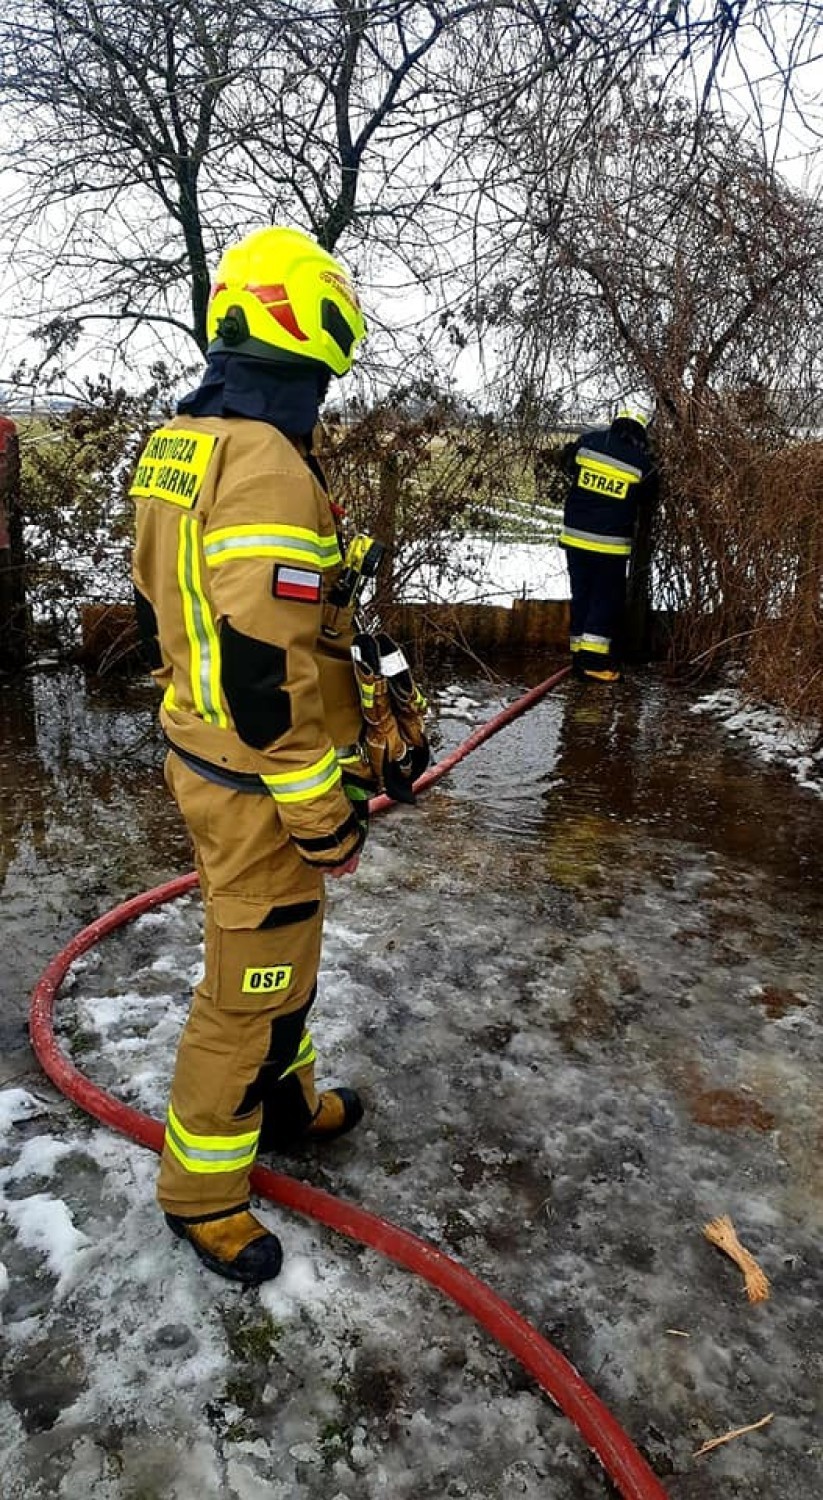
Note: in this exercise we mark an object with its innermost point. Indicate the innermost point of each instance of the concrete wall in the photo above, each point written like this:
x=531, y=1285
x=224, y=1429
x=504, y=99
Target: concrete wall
x=531, y=625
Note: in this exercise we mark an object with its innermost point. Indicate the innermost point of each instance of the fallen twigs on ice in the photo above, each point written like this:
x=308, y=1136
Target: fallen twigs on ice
x=721, y=1232
x=736, y=1432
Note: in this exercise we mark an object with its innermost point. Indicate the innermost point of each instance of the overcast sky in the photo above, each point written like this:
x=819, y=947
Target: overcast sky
x=748, y=86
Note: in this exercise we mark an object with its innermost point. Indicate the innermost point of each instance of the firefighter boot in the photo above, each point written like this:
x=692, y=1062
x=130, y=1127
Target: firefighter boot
x=235, y=1245
x=338, y=1112
x=288, y=1121
x=606, y=675
x=389, y=755
x=407, y=702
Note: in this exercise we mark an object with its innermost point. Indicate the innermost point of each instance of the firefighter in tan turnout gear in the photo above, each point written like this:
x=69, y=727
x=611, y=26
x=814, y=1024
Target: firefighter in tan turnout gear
x=236, y=555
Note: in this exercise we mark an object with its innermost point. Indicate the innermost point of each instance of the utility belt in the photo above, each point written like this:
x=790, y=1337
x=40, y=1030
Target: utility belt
x=249, y=781
x=236, y=781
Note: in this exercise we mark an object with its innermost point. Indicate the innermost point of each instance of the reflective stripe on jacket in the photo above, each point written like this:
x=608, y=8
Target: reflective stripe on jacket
x=236, y=549
x=608, y=477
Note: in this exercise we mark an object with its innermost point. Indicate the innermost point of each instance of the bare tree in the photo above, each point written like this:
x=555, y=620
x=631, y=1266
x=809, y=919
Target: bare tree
x=141, y=138
x=564, y=165
x=667, y=257
x=664, y=255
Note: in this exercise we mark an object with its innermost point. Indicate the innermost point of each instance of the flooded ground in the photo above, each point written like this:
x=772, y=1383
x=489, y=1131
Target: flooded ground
x=579, y=988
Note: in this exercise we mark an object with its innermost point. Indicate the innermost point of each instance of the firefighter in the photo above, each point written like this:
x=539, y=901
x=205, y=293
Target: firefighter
x=611, y=474
x=236, y=551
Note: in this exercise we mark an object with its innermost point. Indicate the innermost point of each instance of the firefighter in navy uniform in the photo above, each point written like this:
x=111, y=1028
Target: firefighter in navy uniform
x=236, y=551
x=612, y=474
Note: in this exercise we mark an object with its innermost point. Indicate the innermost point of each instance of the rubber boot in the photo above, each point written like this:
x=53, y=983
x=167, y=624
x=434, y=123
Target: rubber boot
x=389, y=755
x=235, y=1245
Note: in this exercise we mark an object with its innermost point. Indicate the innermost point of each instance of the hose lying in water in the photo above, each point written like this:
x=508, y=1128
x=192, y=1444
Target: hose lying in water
x=557, y=1377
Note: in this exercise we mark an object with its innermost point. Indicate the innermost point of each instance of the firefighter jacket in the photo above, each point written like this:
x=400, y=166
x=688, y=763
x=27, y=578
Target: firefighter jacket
x=235, y=551
x=610, y=477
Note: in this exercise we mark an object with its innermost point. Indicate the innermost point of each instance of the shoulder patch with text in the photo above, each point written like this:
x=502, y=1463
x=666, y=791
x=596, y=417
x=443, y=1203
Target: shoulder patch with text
x=173, y=465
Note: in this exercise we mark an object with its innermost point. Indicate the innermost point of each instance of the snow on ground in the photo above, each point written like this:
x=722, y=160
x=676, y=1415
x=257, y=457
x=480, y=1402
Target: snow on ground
x=579, y=989
x=583, y=1011
x=485, y=571
x=772, y=737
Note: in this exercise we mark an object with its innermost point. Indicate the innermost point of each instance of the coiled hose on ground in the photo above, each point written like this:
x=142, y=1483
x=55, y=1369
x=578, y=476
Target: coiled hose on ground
x=621, y=1461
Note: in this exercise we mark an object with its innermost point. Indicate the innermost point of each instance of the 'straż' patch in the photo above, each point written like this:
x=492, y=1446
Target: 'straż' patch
x=603, y=484
x=302, y=584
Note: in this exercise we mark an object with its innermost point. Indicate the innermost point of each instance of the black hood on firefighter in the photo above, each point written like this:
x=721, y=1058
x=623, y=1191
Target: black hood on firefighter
x=288, y=396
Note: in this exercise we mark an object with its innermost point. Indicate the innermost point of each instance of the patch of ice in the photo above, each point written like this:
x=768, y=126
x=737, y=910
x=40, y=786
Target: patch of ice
x=44, y=1224
x=17, y=1105
x=771, y=736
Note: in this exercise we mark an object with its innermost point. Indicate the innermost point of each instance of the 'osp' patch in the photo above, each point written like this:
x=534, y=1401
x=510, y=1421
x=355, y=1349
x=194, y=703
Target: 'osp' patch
x=302, y=584
x=267, y=981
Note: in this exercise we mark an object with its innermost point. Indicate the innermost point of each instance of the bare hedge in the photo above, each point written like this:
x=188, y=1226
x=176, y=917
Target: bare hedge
x=740, y=560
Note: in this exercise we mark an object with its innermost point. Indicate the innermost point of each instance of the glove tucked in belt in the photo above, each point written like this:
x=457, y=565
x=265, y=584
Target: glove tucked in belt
x=393, y=709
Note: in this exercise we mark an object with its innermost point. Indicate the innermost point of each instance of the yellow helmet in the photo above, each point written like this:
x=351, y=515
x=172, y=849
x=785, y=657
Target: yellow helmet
x=279, y=295
x=632, y=414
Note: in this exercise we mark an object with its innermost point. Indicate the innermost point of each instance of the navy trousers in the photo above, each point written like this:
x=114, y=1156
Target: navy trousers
x=598, y=586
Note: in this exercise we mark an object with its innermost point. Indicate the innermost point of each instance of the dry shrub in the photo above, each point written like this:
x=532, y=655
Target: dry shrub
x=423, y=471
x=740, y=556
x=77, y=519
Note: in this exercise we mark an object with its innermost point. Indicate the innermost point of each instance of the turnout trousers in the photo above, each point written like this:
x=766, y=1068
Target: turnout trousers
x=244, y=1073
x=598, y=600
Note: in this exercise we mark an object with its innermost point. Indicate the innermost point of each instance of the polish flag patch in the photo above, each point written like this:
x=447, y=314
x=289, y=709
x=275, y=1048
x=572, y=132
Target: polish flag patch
x=302, y=584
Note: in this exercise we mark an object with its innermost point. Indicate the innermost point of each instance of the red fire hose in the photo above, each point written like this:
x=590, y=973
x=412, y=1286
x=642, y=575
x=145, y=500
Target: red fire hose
x=558, y=1378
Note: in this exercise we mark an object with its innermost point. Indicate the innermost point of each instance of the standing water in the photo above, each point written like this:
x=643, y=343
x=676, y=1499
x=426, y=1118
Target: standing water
x=579, y=988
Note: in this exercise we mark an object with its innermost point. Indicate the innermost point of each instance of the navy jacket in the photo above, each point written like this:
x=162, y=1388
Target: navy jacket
x=610, y=477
